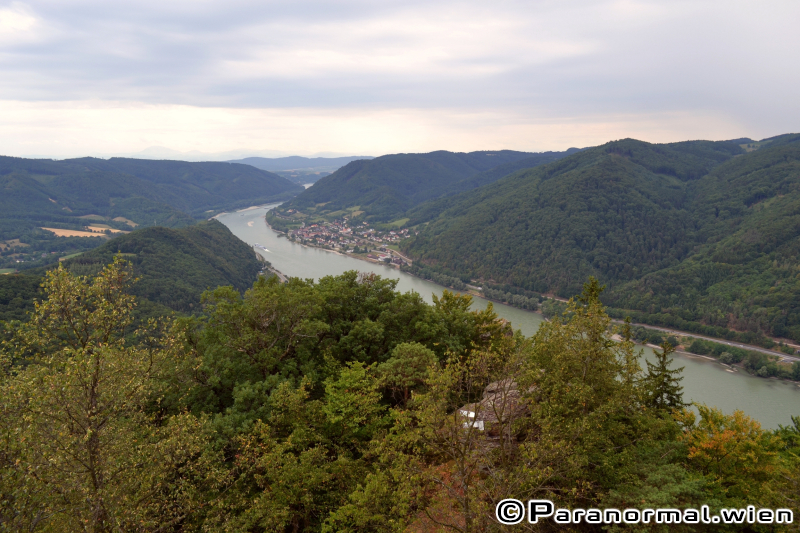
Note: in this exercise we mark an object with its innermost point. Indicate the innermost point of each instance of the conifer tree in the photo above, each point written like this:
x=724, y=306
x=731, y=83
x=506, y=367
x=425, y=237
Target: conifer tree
x=662, y=383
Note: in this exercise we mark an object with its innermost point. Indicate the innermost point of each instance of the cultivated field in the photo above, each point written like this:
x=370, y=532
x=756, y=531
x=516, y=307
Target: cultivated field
x=73, y=233
x=100, y=228
x=131, y=223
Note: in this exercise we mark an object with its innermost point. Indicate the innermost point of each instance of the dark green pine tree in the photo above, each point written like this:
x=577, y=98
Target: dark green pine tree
x=662, y=383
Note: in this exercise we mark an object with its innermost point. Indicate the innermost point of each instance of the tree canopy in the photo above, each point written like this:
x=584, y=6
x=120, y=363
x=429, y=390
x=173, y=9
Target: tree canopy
x=344, y=405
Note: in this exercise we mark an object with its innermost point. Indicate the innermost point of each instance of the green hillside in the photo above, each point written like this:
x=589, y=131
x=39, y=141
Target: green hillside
x=198, y=187
x=702, y=231
x=387, y=186
x=744, y=273
x=114, y=195
x=175, y=266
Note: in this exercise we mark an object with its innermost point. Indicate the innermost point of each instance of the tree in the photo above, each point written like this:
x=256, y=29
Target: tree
x=739, y=459
x=673, y=340
x=87, y=453
x=662, y=383
x=586, y=419
x=250, y=345
x=301, y=462
x=406, y=368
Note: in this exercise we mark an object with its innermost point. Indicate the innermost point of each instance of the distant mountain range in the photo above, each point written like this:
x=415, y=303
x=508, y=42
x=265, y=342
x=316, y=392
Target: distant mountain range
x=297, y=162
x=692, y=235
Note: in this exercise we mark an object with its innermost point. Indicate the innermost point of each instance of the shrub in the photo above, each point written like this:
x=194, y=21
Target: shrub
x=673, y=340
x=700, y=347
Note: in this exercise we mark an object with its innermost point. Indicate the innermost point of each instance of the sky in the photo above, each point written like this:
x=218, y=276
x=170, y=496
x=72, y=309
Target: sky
x=205, y=79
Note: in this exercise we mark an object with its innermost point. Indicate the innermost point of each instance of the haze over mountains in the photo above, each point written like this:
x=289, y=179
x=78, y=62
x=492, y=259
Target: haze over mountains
x=297, y=162
x=303, y=170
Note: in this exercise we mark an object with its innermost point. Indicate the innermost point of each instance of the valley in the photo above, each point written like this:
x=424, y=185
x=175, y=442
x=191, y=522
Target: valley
x=647, y=182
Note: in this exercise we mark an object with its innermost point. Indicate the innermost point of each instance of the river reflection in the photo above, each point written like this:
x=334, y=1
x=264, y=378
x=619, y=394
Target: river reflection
x=768, y=401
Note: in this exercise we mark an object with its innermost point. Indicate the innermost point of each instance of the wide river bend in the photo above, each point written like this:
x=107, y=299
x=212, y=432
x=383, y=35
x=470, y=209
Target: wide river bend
x=771, y=402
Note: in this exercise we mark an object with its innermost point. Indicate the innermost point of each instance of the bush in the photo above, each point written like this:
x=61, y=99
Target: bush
x=700, y=347
x=673, y=340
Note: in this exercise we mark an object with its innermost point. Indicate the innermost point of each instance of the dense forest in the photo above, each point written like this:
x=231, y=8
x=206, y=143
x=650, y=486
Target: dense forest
x=174, y=267
x=115, y=195
x=699, y=235
x=385, y=187
x=344, y=405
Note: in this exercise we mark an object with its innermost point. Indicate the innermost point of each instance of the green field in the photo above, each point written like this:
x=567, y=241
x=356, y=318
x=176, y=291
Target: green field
x=399, y=223
x=7, y=270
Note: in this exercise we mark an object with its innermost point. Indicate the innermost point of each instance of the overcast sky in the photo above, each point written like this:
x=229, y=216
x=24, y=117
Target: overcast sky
x=355, y=77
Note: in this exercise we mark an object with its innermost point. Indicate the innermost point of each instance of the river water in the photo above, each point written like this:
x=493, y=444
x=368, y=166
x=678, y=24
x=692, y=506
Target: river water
x=770, y=402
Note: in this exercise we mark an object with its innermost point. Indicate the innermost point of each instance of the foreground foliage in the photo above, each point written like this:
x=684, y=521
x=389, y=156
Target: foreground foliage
x=343, y=405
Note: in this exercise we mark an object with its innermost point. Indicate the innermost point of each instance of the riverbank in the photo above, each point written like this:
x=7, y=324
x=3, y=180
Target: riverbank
x=769, y=401
x=687, y=338
x=783, y=357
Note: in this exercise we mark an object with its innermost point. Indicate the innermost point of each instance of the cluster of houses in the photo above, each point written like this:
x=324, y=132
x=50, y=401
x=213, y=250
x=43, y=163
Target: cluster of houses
x=387, y=258
x=329, y=233
x=339, y=234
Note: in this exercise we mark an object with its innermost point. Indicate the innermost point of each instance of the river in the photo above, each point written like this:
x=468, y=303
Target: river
x=771, y=402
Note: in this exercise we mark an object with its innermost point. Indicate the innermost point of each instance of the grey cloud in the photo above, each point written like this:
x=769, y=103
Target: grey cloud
x=547, y=58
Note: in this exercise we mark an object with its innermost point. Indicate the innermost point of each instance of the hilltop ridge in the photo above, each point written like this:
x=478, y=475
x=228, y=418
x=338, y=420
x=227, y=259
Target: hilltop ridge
x=385, y=187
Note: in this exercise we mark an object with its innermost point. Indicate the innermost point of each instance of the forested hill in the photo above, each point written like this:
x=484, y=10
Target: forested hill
x=196, y=187
x=175, y=267
x=704, y=232
x=387, y=186
x=115, y=195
